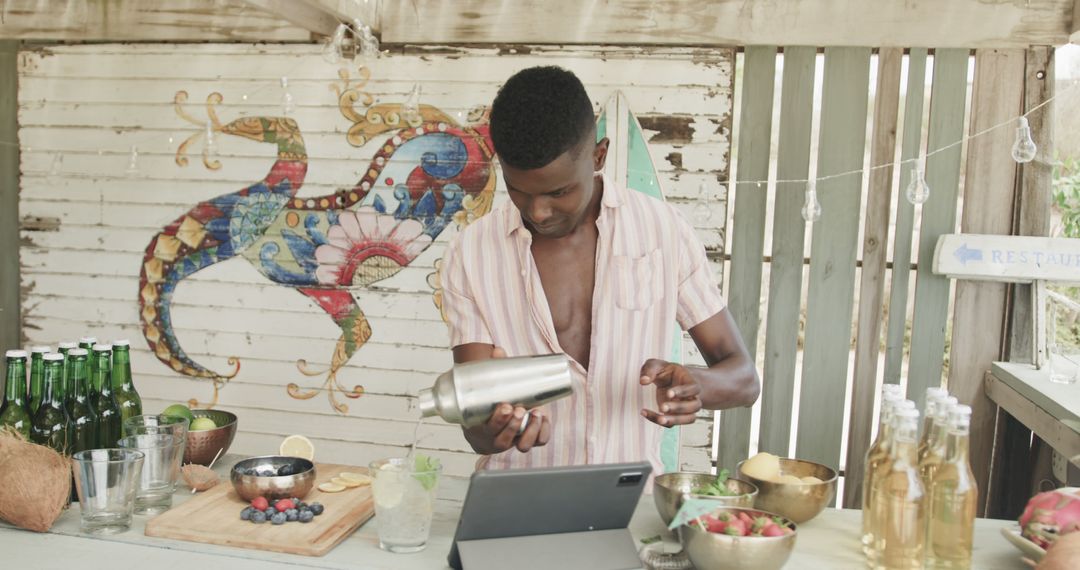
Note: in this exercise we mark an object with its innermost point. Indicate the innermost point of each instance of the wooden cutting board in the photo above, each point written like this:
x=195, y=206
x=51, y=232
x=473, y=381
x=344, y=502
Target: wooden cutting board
x=214, y=517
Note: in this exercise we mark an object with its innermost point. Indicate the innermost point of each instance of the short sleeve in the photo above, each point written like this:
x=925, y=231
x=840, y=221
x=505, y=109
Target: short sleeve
x=463, y=316
x=699, y=294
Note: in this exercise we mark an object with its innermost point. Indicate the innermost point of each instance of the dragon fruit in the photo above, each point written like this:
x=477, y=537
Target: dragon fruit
x=1050, y=515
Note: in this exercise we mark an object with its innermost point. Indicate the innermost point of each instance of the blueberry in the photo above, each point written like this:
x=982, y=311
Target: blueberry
x=292, y=515
x=270, y=511
x=278, y=518
x=294, y=500
x=316, y=508
x=245, y=515
x=300, y=504
x=258, y=517
x=286, y=470
x=306, y=516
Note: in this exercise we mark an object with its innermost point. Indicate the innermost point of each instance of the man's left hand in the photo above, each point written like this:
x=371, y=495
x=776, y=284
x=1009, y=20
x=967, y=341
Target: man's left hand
x=677, y=393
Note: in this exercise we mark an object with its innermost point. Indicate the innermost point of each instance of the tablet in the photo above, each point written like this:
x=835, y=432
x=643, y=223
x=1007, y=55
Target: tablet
x=555, y=516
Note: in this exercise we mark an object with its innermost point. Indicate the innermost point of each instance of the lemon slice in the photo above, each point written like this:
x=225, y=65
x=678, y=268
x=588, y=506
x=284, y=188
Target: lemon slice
x=297, y=446
x=331, y=487
x=388, y=490
x=345, y=482
x=350, y=476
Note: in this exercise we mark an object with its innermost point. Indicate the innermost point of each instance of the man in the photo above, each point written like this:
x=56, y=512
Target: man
x=575, y=264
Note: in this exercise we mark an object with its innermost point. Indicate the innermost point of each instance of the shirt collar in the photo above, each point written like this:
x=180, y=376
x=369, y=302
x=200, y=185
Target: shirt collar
x=612, y=198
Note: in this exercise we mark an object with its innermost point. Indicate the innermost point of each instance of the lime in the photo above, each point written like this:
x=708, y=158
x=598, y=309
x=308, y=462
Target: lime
x=201, y=424
x=181, y=411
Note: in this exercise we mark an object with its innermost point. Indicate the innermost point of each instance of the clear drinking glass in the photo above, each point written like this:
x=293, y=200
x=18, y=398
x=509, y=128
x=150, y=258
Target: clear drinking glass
x=161, y=469
x=106, y=480
x=404, y=502
x=1064, y=367
x=156, y=424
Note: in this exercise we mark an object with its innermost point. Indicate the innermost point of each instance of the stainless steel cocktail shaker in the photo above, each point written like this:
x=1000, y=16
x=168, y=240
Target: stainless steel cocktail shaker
x=468, y=393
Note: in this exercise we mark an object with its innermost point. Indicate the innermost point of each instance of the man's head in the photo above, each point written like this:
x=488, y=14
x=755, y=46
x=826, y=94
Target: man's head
x=544, y=133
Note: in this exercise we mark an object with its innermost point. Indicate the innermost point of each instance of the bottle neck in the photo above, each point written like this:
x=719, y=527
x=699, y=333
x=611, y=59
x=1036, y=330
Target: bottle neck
x=15, y=389
x=102, y=373
x=121, y=369
x=904, y=442
x=957, y=443
x=80, y=384
x=53, y=384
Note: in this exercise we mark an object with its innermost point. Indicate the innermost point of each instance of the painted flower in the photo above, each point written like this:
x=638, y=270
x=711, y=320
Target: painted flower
x=366, y=246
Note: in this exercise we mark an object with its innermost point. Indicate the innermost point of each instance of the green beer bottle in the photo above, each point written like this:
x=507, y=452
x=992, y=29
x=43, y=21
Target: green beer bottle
x=69, y=390
x=130, y=402
x=14, y=412
x=104, y=402
x=84, y=425
x=52, y=425
x=88, y=343
x=37, y=373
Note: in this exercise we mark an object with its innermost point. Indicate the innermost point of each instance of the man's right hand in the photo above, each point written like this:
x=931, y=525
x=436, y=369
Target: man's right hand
x=500, y=432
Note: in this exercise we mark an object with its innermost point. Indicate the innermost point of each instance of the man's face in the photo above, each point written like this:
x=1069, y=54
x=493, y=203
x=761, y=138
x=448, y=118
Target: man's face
x=554, y=198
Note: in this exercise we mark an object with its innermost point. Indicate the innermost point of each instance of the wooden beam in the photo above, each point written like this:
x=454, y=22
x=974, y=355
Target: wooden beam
x=311, y=16
x=872, y=284
x=957, y=23
x=1074, y=28
x=10, y=285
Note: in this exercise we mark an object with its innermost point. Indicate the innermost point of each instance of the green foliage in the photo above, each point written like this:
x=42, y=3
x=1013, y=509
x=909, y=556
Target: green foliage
x=1066, y=192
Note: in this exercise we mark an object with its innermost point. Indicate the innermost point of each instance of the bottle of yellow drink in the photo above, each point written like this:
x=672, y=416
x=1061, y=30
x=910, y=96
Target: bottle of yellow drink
x=875, y=455
x=901, y=500
x=874, y=531
x=927, y=434
x=934, y=454
x=953, y=499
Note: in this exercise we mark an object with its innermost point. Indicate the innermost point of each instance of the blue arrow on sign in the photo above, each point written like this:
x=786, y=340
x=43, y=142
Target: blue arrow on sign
x=966, y=254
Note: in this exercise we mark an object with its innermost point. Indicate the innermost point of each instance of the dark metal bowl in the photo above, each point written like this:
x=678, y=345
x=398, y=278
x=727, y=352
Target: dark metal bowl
x=272, y=487
x=203, y=446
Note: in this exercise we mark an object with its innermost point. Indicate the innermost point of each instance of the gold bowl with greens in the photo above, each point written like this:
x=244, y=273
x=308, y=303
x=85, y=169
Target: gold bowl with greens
x=670, y=490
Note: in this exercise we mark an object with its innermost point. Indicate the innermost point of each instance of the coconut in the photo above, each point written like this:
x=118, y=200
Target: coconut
x=199, y=478
x=35, y=482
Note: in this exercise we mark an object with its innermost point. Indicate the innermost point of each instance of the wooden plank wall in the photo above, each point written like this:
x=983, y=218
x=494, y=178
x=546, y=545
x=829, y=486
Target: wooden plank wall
x=9, y=195
x=84, y=228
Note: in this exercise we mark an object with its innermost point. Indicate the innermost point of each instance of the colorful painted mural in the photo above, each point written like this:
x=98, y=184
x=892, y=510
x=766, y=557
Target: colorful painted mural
x=430, y=172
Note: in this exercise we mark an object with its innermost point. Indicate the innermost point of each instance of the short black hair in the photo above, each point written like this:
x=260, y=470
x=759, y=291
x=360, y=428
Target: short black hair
x=540, y=113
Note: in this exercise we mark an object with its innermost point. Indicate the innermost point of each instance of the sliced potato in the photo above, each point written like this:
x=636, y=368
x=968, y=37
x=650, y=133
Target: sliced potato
x=790, y=479
x=811, y=479
x=331, y=487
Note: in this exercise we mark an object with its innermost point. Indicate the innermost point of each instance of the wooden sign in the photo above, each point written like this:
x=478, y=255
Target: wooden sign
x=1017, y=259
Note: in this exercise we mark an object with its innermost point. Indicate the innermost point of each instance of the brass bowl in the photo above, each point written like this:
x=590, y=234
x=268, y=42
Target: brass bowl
x=716, y=551
x=202, y=446
x=670, y=490
x=798, y=502
x=273, y=487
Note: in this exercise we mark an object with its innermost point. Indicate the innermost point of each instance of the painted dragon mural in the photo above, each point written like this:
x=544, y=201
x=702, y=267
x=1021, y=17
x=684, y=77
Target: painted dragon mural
x=430, y=171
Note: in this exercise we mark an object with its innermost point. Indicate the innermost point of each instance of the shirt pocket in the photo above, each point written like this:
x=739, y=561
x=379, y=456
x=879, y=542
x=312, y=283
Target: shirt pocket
x=639, y=280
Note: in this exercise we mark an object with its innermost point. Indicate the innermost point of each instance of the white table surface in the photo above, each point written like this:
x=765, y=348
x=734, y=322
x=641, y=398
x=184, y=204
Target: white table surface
x=829, y=541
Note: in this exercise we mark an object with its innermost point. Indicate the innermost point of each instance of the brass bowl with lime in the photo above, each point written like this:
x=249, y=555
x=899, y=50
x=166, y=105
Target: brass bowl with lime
x=210, y=433
x=671, y=490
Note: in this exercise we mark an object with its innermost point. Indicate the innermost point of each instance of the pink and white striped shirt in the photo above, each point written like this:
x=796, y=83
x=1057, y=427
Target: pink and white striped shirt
x=650, y=270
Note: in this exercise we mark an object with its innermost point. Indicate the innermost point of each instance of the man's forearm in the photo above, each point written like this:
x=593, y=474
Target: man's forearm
x=730, y=383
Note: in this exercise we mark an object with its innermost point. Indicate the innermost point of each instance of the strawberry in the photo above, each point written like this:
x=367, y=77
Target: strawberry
x=746, y=519
x=726, y=516
x=760, y=523
x=736, y=527
x=284, y=505
x=773, y=530
x=260, y=503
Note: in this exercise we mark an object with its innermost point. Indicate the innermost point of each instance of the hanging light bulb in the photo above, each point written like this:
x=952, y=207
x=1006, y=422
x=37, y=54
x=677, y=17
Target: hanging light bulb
x=410, y=109
x=210, y=151
x=288, y=104
x=918, y=191
x=132, y=169
x=702, y=211
x=811, y=210
x=57, y=166
x=332, y=47
x=1024, y=148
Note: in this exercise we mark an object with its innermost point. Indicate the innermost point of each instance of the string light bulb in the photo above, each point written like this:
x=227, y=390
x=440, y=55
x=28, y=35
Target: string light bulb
x=702, y=212
x=811, y=209
x=918, y=191
x=1024, y=148
x=410, y=109
x=210, y=151
x=332, y=47
x=132, y=169
x=57, y=166
x=288, y=104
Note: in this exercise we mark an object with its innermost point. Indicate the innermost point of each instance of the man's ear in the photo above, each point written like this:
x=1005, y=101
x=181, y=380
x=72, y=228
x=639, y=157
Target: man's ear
x=600, y=154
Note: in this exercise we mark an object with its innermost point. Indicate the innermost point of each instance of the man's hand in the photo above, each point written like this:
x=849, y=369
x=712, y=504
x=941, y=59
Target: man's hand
x=500, y=432
x=677, y=393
